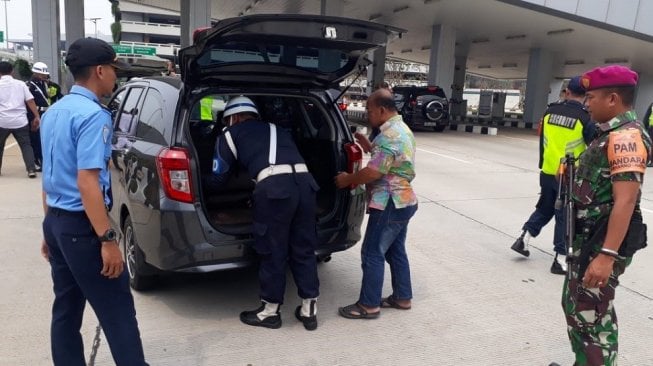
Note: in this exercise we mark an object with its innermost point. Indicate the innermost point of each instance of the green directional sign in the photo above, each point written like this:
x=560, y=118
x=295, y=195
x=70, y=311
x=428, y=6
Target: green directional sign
x=2, y=36
x=120, y=48
x=150, y=51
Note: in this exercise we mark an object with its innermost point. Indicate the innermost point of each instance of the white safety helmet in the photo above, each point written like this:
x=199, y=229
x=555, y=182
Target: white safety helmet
x=40, y=68
x=239, y=105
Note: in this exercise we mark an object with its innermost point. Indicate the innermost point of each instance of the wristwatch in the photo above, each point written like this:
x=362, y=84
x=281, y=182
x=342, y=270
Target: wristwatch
x=109, y=235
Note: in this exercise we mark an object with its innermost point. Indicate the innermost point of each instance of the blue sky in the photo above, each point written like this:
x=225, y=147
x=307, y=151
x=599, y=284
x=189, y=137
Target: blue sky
x=20, y=17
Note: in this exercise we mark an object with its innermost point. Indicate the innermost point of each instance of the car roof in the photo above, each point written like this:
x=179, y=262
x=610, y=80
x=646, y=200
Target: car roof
x=173, y=81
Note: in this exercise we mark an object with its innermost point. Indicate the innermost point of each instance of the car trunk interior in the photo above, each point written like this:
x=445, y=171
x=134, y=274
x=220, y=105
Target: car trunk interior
x=229, y=209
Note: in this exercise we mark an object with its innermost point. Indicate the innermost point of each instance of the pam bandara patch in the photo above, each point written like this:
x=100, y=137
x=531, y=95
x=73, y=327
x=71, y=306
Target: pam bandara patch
x=626, y=152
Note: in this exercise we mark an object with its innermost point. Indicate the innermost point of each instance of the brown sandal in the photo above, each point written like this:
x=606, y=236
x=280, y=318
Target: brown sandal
x=391, y=302
x=350, y=310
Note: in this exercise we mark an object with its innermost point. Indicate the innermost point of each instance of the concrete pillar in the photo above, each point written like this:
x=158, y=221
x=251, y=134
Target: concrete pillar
x=457, y=108
x=194, y=14
x=45, y=30
x=376, y=71
x=443, y=57
x=334, y=8
x=537, y=84
x=460, y=70
x=73, y=24
x=644, y=96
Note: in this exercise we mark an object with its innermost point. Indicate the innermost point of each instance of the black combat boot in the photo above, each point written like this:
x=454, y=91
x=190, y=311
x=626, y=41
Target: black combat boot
x=267, y=315
x=559, y=265
x=520, y=246
x=308, y=307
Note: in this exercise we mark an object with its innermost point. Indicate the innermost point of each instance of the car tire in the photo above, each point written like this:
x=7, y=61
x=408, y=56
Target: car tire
x=134, y=259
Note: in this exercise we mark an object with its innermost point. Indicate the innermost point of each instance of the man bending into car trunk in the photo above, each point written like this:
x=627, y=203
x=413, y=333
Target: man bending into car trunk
x=284, y=209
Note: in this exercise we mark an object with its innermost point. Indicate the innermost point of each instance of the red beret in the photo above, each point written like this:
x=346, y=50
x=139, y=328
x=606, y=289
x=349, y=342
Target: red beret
x=609, y=77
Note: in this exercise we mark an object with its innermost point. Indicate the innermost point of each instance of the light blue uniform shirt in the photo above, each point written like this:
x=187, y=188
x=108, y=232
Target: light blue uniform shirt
x=75, y=135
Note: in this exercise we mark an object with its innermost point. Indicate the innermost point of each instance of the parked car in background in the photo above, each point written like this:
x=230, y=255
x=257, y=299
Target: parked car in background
x=163, y=145
x=423, y=106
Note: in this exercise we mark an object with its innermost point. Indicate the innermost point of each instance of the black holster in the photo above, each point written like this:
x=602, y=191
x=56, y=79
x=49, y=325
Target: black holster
x=634, y=240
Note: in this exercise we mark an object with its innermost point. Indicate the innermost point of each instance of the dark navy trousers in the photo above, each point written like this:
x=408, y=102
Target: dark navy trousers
x=74, y=254
x=545, y=211
x=285, y=234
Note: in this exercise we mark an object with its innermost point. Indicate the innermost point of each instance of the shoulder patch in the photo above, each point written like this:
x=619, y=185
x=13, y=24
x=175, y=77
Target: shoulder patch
x=626, y=152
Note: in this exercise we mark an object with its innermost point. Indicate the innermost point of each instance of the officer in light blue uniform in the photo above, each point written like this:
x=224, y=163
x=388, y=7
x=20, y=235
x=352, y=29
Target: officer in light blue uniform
x=79, y=243
x=284, y=209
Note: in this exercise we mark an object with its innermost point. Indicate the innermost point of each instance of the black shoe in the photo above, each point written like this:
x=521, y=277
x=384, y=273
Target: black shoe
x=519, y=246
x=554, y=364
x=31, y=174
x=310, y=322
x=251, y=318
x=556, y=268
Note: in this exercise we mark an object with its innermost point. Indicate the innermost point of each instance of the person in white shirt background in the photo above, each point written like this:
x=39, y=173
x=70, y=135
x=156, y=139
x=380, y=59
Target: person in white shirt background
x=14, y=97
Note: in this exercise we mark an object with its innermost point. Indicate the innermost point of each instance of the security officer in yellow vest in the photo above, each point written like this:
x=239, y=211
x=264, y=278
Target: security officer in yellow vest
x=566, y=127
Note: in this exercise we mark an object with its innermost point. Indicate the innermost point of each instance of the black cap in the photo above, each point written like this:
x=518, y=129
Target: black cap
x=91, y=52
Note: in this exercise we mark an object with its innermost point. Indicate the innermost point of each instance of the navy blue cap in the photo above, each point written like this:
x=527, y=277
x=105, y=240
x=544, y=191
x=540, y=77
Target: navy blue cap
x=91, y=52
x=575, y=86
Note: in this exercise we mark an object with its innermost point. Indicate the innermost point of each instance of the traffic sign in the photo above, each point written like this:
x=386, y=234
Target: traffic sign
x=121, y=48
x=150, y=51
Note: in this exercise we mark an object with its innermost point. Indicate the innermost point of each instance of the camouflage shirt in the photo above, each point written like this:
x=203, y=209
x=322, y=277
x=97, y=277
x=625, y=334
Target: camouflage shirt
x=619, y=152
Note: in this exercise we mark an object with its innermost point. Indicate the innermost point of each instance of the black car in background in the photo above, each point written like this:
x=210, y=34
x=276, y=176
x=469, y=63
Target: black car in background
x=423, y=106
x=163, y=145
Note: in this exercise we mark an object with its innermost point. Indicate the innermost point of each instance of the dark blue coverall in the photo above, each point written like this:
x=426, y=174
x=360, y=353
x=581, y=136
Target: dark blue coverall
x=284, y=207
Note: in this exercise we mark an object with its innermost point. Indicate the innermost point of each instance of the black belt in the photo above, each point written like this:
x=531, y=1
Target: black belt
x=61, y=212
x=42, y=109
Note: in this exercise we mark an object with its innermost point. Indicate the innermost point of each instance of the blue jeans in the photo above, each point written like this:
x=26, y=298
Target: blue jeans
x=545, y=211
x=385, y=240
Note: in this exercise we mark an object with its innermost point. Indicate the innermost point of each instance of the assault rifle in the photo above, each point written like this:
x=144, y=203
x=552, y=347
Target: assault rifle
x=566, y=175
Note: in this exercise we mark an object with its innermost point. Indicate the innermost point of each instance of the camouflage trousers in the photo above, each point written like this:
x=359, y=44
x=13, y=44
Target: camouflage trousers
x=591, y=318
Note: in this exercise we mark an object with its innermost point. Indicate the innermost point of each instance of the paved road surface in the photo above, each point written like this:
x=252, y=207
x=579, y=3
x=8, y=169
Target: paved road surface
x=476, y=302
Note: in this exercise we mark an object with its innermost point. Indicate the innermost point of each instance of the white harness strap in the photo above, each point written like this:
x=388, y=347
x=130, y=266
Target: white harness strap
x=230, y=143
x=272, y=157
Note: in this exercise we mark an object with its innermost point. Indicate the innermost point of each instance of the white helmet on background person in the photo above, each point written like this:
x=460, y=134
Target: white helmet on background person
x=40, y=68
x=239, y=105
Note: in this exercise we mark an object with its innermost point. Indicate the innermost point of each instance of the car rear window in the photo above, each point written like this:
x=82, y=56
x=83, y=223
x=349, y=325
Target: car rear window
x=304, y=57
x=437, y=92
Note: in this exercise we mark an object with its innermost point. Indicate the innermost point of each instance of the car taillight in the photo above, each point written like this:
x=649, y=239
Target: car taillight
x=173, y=165
x=342, y=106
x=354, y=159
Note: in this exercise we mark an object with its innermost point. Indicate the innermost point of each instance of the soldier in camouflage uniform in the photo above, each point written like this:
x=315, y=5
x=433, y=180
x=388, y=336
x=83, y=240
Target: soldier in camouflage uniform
x=608, y=224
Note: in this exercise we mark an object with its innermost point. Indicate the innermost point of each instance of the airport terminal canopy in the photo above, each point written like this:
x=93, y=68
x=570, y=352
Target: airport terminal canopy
x=496, y=35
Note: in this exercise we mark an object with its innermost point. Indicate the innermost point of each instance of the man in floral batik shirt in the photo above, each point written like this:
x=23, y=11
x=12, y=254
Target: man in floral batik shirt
x=391, y=203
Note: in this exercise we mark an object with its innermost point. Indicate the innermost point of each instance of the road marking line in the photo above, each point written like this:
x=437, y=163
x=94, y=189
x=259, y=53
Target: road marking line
x=445, y=156
x=11, y=145
x=520, y=139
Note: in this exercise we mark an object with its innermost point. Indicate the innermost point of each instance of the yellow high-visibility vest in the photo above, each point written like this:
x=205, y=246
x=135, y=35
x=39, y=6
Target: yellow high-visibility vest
x=206, y=105
x=560, y=135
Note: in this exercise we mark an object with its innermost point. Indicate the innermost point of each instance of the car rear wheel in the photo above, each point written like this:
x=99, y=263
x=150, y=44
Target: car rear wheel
x=434, y=110
x=135, y=260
